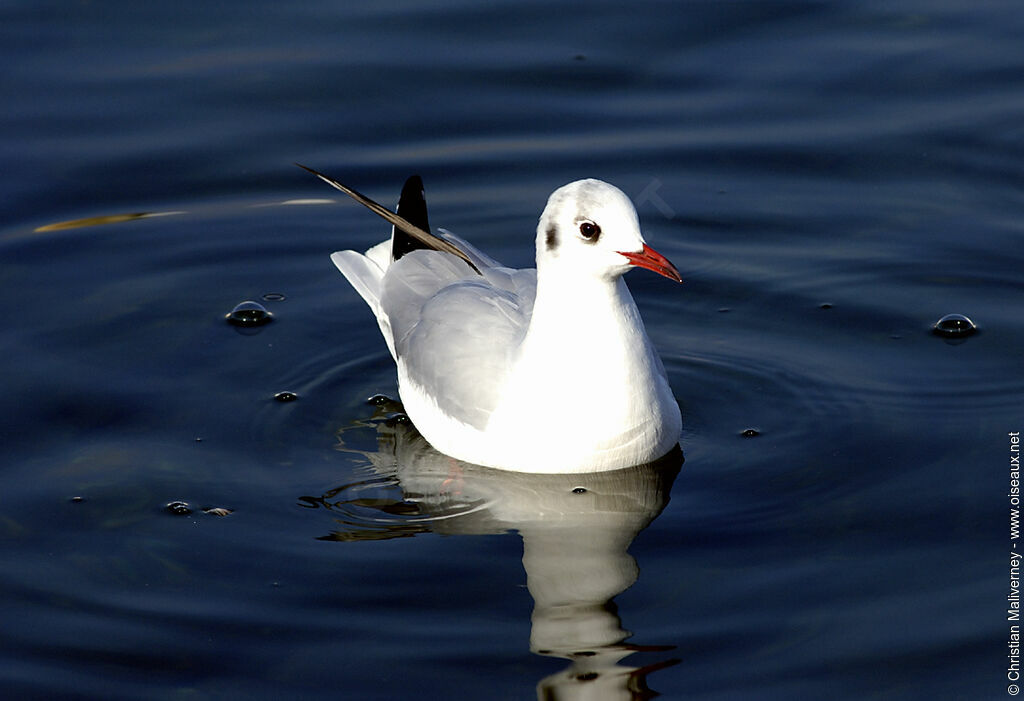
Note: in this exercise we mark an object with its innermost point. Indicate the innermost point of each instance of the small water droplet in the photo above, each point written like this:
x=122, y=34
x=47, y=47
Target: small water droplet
x=179, y=508
x=76, y=500
x=825, y=305
x=217, y=511
x=750, y=433
x=274, y=297
x=286, y=396
x=248, y=314
x=579, y=490
x=378, y=399
x=954, y=326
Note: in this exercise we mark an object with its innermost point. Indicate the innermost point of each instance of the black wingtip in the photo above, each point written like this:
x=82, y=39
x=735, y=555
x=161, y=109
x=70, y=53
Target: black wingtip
x=412, y=206
x=399, y=222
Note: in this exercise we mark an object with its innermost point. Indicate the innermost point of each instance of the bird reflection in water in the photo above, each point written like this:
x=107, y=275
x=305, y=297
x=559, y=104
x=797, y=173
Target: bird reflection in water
x=576, y=531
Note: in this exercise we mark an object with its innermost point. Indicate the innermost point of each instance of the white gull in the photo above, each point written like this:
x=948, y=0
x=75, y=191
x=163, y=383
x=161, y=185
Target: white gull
x=536, y=370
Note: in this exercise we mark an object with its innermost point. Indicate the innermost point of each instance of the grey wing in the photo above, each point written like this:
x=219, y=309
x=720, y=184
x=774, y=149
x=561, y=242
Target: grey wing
x=479, y=258
x=522, y=282
x=456, y=335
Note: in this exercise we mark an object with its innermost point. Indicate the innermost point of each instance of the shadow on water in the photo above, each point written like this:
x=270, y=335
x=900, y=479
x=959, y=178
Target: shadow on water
x=576, y=532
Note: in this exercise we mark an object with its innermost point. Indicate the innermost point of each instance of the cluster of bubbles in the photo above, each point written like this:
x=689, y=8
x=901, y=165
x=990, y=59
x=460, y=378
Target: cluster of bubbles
x=182, y=508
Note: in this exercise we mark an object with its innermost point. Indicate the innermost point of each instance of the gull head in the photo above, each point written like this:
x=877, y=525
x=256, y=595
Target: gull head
x=591, y=228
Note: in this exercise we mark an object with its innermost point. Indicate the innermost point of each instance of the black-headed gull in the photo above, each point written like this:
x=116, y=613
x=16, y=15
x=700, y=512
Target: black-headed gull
x=536, y=370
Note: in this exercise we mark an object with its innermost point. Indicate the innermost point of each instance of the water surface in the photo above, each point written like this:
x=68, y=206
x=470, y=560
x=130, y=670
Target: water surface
x=829, y=179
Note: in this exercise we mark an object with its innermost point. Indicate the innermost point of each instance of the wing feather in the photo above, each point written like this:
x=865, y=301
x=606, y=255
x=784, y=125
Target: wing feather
x=455, y=333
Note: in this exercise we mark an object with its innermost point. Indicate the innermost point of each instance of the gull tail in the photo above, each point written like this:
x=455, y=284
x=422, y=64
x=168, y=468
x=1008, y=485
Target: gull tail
x=366, y=274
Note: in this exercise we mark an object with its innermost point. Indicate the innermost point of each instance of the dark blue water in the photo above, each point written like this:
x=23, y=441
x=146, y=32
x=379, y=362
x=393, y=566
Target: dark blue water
x=830, y=179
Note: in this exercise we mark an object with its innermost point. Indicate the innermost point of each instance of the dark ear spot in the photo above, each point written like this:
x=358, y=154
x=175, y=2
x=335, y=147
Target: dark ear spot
x=551, y=238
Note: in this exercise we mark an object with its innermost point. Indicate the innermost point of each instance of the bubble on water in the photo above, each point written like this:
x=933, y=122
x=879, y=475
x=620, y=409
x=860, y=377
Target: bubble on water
x=750, y=433
x=286, y=396
x=76, y=500
x=825, y=305
x=217, y=511
x=179, y=508
x=954, y=326
x=248, y=314
x=579, y=490
x=396, y=419
x=378, y=399
x=274, y=297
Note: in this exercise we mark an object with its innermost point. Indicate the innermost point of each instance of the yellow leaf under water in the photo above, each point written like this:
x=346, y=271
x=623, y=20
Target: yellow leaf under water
x=98, y=221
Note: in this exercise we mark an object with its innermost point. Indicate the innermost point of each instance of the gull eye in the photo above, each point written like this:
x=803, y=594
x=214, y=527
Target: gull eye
x=589, y=230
